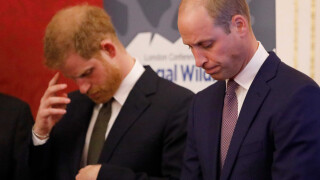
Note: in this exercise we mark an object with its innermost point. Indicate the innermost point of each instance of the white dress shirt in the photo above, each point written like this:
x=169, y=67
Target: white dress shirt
x=247, y=75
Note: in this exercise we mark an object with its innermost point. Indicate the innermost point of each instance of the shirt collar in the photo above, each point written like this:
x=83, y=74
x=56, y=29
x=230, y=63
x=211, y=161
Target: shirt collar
x=247, y=75
x=128, y=82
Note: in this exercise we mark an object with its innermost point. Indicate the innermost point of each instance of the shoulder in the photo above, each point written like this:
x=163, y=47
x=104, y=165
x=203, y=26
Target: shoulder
x=10, y=102
x=151, y=82
x=169, y=87
x=294, y=76
x=14, y=110
x=291, y=81
x=281, y=78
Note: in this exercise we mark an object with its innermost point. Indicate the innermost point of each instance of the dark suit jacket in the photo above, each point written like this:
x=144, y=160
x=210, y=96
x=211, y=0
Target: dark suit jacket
x=147, y=139
x=277, y=135
x=15, y=125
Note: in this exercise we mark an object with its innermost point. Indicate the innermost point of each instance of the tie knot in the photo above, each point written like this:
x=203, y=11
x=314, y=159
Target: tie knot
x=232, y=86
x=106, y=108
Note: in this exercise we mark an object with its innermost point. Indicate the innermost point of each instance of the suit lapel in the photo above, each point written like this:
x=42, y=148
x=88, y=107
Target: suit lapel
x=251, y=106
x=136, y=103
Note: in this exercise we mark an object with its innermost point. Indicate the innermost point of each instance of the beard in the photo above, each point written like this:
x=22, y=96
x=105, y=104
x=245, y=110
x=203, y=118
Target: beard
x=103, y=93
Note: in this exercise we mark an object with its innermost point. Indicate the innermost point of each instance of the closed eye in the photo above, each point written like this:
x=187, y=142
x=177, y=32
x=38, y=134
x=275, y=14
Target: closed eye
x=86, y=73
x=206, y=44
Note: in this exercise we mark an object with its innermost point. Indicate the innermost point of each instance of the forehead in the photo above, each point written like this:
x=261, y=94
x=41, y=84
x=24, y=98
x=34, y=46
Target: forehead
x=196, y=25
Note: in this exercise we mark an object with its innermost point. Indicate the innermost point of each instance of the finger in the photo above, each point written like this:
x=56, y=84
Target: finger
x=44, y=114
x=52, y=90
x=54, y=80
x=48, y=117
x=56, y=111
x=56, y=102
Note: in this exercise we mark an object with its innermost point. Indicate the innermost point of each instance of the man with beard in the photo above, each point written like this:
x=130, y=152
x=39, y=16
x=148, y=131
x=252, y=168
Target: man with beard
x=124, y=122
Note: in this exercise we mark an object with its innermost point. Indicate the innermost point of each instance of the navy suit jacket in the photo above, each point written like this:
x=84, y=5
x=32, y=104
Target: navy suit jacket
x=277, y=135
x=146, y=141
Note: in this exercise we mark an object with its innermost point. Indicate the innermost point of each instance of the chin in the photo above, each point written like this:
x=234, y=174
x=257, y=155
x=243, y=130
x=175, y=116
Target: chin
x=99, y=100
x=217, y=77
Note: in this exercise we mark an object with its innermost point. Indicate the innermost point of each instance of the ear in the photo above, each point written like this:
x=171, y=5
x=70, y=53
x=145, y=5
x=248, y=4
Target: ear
x=109, y=47
x=240, y=24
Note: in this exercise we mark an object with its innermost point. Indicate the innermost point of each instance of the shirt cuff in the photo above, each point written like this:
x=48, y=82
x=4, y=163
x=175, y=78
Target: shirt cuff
x=37, y=141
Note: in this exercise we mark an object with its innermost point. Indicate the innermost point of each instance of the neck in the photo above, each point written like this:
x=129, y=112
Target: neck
x=126, y=63
x=251, y=48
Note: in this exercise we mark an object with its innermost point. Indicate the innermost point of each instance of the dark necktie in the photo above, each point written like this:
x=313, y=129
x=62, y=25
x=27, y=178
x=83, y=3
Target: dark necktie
x=229, y=119
x=98, y=134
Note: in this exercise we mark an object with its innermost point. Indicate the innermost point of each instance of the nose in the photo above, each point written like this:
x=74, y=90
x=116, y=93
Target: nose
x=199, y=57
x=83, y=85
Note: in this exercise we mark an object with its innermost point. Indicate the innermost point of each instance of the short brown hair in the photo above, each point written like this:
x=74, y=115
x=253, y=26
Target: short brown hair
x=78, y=29
x=222, y=11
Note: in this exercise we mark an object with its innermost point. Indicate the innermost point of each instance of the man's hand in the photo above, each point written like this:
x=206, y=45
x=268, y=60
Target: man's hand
x=52, y=107
x=89, y=172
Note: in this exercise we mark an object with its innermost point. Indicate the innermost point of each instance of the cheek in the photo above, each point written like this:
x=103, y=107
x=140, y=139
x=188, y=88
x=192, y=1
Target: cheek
x=217, y=54
x=98, y=78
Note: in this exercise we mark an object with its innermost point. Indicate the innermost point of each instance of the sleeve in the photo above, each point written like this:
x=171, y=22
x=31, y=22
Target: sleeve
x=22, y=133
x=297, y=137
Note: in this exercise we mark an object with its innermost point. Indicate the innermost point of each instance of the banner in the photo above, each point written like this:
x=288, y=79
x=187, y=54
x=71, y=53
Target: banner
x=149, y=31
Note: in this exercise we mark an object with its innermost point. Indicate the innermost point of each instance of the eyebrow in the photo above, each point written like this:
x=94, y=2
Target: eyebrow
x=80, y=74
x=199, y=43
